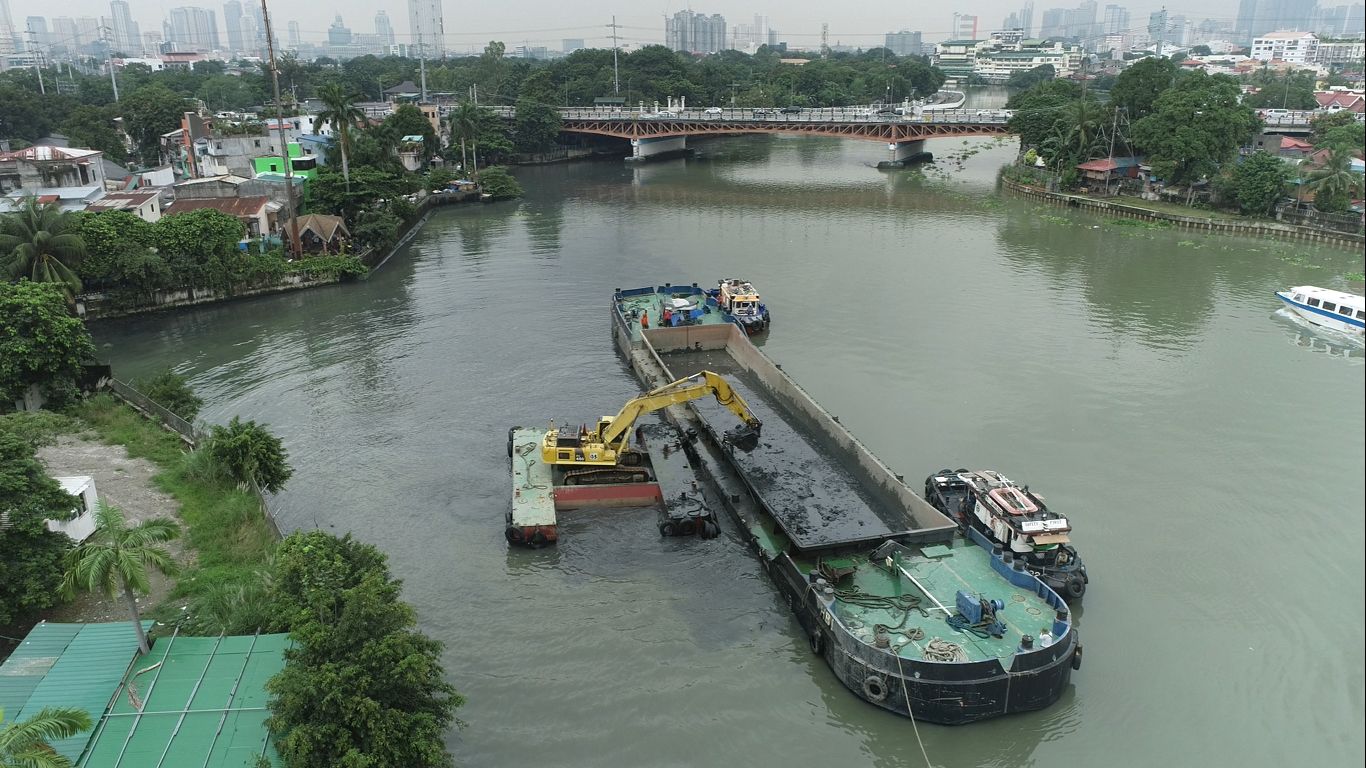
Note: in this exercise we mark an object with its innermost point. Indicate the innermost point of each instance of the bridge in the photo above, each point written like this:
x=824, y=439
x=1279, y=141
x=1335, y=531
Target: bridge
x=663, y=131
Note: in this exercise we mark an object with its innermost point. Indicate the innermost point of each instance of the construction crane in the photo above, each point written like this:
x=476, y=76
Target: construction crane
x=606, y=454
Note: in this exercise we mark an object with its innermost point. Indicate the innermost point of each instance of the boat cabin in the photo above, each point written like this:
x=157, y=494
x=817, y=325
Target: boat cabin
x=1015, y=516
x=738, y=297
x=1346, y=305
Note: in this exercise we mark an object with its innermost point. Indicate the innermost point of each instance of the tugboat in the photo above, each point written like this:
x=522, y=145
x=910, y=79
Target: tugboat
x=739, y=298
x=1008, y=516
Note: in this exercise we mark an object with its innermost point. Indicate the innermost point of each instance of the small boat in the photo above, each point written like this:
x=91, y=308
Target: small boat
x=741, y=301
x=1326, y=308
x=1008, y=517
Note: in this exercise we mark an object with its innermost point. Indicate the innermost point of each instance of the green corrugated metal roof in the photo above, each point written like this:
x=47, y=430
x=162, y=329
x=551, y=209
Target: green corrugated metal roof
x=67, y=665
x=205, y=705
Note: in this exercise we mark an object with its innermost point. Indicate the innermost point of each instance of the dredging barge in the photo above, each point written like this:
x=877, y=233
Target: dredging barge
x=910, y=615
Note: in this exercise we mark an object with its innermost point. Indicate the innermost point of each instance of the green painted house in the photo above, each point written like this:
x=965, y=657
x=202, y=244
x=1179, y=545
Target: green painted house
x=305, y=165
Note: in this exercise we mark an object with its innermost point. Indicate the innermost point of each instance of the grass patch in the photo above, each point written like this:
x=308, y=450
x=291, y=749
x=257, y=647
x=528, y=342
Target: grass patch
x=38, y=428
x=232, y=540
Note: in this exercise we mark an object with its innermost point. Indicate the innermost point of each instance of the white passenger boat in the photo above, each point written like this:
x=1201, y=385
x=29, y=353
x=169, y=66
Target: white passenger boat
x=1326, y=308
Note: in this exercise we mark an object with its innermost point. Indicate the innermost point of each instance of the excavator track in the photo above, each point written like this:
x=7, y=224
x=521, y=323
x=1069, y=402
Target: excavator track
x=607, y=476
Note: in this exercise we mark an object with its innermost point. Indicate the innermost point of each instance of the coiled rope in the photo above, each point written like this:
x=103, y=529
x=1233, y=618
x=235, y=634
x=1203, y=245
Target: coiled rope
x=940, y=649
x=524, y=451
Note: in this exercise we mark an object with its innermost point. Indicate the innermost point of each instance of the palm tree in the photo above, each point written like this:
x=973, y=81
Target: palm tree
x=43, y=243
x=339, y=109
x=25, y=744
x=464, y=121
x=115, y=558
x=1334, y=180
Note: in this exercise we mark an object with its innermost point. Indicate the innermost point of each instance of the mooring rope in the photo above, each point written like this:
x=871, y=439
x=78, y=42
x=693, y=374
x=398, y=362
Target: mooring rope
x=906, y=692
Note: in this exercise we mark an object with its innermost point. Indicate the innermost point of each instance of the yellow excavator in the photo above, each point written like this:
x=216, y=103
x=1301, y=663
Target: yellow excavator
x=606, y=454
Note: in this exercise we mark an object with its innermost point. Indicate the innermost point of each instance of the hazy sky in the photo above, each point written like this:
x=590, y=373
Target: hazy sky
x=471, y=23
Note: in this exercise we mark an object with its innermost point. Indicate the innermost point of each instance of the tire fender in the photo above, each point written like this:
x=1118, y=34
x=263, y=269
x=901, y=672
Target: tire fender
x=875, y=688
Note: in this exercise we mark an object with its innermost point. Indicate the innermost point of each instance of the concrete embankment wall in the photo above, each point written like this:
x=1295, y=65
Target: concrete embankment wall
x=867, y=468
x=1260, y=229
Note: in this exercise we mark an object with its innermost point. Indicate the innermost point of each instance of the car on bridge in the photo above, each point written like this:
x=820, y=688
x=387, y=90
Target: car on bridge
x=763, y=111
x=712, y=111
x=791, y=110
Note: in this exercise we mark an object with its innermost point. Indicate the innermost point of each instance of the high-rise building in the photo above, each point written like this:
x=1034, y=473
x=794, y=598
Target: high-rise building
x=191, y=28
x=695, y=32
x=232, y=23
x=295, y=39
x=1116, y=20
x=384, y=31
x=426, y=22
x=571, y=44
x=1341, y=20
x=35, y=28
x=9, y=39
x=964, y=26
x=1257, y=17
x=1054, y=24
x=338, y=33
x=903, y=43
x=126, y=36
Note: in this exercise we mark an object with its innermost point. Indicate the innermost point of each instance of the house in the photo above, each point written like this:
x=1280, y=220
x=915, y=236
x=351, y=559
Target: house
x=270, y=185
x=404, y=91
x=145, y=204
x=1293, y=148
x=66, y=198
x=410, y=152
x=1290, y=47
x=47, y=166
x=254, y=212
x=301, y=163
x=1337, y=101
x=1106, y=172
x=81, y=522
x=323, y=234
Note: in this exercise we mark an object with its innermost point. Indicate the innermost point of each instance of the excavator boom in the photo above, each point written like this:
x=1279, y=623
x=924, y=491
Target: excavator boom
x=691, y=388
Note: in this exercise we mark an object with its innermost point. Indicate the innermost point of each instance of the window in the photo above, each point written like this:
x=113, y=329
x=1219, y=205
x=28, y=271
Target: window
x=1313, y=302
x=1299, y=297
x=566, y=455
x=1345, y=311
x=256, y=143
x=1330, y=306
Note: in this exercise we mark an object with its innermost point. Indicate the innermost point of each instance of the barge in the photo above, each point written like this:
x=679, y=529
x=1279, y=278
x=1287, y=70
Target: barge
x=911, y=613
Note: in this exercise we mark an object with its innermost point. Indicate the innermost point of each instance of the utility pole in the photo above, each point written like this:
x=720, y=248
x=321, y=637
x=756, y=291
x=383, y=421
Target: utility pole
x=616, y=76
x=421, y=63
x=109, y=44
x=37, y=65
x=280, y=126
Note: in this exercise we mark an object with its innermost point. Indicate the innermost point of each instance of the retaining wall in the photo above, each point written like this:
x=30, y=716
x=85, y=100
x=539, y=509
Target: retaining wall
x=1218, y=226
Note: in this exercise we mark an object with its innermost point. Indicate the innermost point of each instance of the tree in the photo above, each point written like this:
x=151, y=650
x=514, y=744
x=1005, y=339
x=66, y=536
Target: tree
x=149, y=112
x=361, y=685
x=41, y=344
x=1196, y=125
x=171, y=391
x=1338, y=129
x=200, y=247
x=339, y=108
x=1334, y=184
x=536, y=126
x=498, y=184
x=1137, y=88
x=408, y=120
x=1032, y=77
x=120, y=252
x=31, y=558
x=1291, y=90
x=94, y=127
x=25, y=743
x=1038, y=110
x=116, y=557
x=249, y=453
x=464, y=121
x=43, y=243
x=1259, y=182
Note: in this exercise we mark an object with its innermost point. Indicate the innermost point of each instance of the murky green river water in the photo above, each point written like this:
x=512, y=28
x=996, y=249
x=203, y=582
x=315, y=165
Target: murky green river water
x=1209, y=451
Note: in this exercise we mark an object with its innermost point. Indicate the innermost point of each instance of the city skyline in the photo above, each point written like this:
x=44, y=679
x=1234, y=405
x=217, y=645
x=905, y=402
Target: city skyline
x=800, y=21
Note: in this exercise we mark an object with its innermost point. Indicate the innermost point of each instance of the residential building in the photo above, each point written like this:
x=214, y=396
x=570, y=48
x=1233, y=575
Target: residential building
x=903, y=43
x=956, y=57
x=996, y=65
x=428, y=27
x=1290, y=47
x=232, y=22
x=1337, y=101
x=192, y=29
x=1340, y=21
x=695, y=32
x=301, y=163
x=145, y=204
x=127, y=38
x=964, y=27
x=46, y=166
x=255, y=212
x=1341, y=54
x=384, y=31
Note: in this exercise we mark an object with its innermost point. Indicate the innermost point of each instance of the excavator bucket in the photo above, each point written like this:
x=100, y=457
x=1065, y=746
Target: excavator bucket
x=745, y=437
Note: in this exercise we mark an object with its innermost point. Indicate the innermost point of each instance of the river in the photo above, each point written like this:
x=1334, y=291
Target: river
x=1209, y=452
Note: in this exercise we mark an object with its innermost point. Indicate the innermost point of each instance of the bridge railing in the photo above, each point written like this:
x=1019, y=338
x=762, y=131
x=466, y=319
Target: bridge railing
x=775, y=115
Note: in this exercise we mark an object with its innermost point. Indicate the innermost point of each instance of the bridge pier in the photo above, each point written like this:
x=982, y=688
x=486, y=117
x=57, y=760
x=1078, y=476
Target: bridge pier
x=660, y=147
x=904, y=153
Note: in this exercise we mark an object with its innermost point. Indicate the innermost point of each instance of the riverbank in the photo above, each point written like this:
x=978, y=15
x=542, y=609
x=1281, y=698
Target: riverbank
x=1192, y=220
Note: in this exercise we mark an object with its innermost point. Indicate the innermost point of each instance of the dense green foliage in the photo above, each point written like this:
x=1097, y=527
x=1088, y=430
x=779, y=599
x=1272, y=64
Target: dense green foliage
x=1039, y=110
x=1290, y=90
x=1032, y=77
x=361, y=685
x=1333, y=182
x=116, y=559
x=248, y=452
x=172, y=391
x=26, y=743
x=41, y=242
x=1259, y=182
x=536, y=126
x=498, y=184
x=40, y=343
x=31, y=555
x=1339, y=129
x=339, y=108
x=1195, y=126
x=1137, y=88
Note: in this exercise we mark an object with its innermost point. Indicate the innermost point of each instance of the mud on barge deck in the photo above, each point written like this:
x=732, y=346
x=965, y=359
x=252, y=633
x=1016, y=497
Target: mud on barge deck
x=872, y=572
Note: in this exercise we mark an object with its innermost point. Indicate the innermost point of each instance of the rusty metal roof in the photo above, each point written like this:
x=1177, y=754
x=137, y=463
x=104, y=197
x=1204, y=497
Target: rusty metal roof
x=241, y=207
